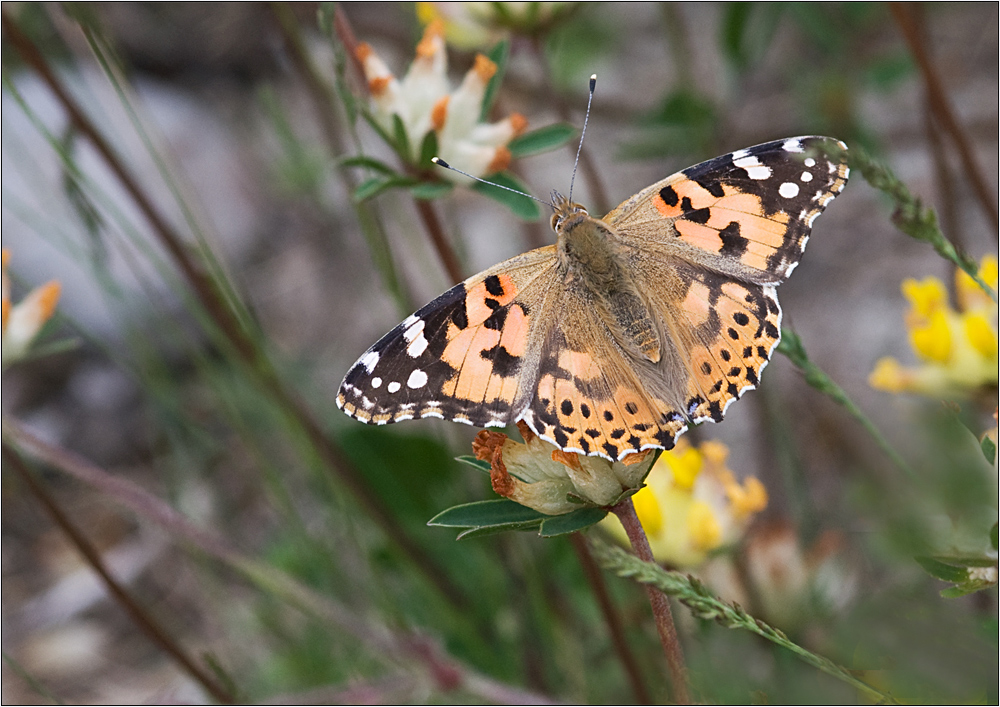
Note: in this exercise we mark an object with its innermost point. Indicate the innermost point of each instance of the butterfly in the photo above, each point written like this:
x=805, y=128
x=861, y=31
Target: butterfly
x=629, y=328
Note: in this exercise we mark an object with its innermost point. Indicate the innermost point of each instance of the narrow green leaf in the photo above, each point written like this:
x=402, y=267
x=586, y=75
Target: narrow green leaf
x=486, y=513
x=995, y=537
x=942, y=571
x=428, y=149
x=473, y=462
x=989, y=448
x=498, y=55
x=965, y=588
x=431, y=190
x=544, y=139
x=367, y=162
x=400, y=139
x=523, y=207
x=494, y=529
x=376, y=185
x=571, y=522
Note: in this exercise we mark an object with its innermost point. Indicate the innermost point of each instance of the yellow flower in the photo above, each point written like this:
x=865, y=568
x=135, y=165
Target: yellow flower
x=692, y=504
x=23, y=321
x=958, y=347
x=538, y=475
x=475, y=25
x=423, y=101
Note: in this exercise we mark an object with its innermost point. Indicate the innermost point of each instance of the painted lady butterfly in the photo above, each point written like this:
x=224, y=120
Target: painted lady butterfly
x=628, y=328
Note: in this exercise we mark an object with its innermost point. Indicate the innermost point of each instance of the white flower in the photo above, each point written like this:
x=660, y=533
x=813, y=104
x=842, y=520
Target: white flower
x=424, y=103
x=23, y=321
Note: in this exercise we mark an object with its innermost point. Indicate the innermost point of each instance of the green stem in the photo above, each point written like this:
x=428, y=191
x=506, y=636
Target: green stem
x=791, y=346
x=704, y=605
x=912, y=217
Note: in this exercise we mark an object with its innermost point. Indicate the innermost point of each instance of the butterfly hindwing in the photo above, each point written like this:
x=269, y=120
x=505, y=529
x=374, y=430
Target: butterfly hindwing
x=590, y=393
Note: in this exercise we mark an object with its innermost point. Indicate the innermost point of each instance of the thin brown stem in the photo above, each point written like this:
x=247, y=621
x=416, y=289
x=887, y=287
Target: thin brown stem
x=909, y=24
x=146, y=623
x=625, y=511
x=432, y=224
x=342, y=28
x=611, y=618
x=224, y=318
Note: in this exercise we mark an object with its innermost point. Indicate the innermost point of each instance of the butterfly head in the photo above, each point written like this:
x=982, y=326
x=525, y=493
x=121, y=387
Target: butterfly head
x=565, y=212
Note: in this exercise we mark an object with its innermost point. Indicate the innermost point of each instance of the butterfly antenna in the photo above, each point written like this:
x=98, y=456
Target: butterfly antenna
x=441, y=163
x=579, y=149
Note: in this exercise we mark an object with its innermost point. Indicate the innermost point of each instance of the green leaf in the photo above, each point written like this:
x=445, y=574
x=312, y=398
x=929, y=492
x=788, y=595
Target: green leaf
x=965, y=588
x=989, y=448
x=376, y=185
x=494, y=529
x=473, y=462
x=498, y=55
x=400, y=138
x=542, y=140
x=571, y=522
x=428, y=149
x=486, y=514
x=431, y=190
x=523, y=207
x=994, y=540
x=943, y=571
x=367, y=162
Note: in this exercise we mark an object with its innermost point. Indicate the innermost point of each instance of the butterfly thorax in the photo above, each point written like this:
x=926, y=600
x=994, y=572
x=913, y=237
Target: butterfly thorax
x=591, y=258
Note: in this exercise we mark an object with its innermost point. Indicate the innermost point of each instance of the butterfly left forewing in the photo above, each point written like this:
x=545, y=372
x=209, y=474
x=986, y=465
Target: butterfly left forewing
x=460, y=357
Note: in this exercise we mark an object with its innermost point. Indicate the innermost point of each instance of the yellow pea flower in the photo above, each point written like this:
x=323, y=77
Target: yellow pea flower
x=957, y=347
x=692, y=504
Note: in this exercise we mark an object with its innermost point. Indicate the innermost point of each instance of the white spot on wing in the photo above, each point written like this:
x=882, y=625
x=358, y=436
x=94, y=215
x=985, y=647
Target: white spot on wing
x=414, y=329
x=753, y=167
x=806, y=177
x=789, y=190
x=793, y=145
x=417, y=346
x=809, y=162
x=393, y=387
x=369, y=360
x=739, y=154
x=417, y=379
x=376, y=382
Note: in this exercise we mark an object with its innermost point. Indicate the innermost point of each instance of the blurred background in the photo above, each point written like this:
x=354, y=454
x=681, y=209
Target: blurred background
x=199, y=357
